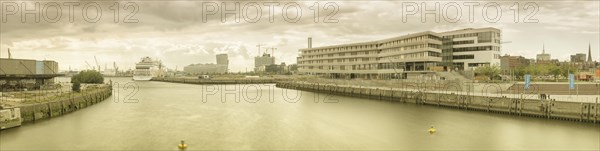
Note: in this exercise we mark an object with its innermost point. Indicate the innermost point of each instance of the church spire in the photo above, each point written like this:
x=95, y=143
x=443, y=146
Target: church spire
x=589, y=52
x=543, y=48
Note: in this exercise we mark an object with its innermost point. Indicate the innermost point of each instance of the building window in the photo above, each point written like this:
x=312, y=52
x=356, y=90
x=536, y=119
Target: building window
x=433, y=54
x=463, y=42
x=484, y=37
x=458, y=57
x=482, y=48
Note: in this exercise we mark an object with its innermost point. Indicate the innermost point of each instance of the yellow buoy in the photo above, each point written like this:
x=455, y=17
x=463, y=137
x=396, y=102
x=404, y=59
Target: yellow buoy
x=431, y=130
x=182, y=145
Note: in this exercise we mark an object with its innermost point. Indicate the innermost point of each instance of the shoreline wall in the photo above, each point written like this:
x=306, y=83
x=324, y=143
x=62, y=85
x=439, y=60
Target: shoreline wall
x=220, y=81
x=40, y=111
x=571, y=111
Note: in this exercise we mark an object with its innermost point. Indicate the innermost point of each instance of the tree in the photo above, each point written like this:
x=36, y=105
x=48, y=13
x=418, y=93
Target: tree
x=88, y=76
x=543, y=69
x=489, y=71
x=566, y=69
x=519, y=72
x=554, y=71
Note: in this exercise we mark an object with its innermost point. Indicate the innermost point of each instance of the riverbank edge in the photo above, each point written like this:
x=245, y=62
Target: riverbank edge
x=35, y=112
x=221, y=81
x=569, y=111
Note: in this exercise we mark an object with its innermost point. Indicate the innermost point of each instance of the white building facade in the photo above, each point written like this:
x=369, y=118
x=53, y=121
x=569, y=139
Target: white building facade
x=404, y=56
x=467, y=49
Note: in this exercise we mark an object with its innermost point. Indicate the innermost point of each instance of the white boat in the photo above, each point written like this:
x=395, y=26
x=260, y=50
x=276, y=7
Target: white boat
x=147, y=69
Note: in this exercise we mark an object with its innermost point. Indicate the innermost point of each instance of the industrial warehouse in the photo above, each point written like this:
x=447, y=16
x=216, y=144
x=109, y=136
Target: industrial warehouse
x=19, y=74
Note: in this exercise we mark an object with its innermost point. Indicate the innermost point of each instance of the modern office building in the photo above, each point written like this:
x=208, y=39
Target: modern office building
x=222, y=66
x=222, y=59
x=404, y=56
x=261, y=62
x=469, y=48
x=387, y=58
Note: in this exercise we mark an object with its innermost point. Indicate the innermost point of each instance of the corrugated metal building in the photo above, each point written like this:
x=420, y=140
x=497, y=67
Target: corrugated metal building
x=16, y=74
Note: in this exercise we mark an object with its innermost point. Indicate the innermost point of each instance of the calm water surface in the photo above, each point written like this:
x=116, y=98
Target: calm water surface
x=165, y=113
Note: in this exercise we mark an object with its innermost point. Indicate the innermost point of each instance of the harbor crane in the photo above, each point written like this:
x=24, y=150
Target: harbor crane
x=88, y=65
x=97, y=63
x=115, y=66
x=9, y=54
x=259, y=45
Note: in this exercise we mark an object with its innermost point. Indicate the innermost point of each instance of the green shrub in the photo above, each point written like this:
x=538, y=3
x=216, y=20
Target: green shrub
x=88, y=76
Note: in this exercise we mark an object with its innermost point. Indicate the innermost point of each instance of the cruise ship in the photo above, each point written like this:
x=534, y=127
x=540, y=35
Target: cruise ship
x=147, y=68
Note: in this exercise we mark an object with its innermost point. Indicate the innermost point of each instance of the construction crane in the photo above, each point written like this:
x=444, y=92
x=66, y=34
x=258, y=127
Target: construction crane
x=273, y=51
x=259, y=48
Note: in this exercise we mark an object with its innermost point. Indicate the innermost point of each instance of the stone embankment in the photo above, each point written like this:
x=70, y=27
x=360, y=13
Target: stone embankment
x=222, y=81
x=64, y=105
x=526, y=105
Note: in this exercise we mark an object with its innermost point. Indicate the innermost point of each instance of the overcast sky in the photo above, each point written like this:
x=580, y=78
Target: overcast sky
x=182, y=32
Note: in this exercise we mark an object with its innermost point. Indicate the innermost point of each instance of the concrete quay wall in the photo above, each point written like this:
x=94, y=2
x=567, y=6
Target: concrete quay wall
x=220, y=81
x=76, y=101
x=494, y=103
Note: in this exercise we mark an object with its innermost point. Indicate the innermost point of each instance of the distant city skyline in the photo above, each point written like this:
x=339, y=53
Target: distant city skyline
x=176, y=33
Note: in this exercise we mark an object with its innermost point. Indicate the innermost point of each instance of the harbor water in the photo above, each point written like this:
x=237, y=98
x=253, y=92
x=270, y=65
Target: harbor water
x=153, y=115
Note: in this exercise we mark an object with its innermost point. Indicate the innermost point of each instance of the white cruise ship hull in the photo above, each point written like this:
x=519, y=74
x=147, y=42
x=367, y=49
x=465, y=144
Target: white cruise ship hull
x=146, y=69
x=142, y=78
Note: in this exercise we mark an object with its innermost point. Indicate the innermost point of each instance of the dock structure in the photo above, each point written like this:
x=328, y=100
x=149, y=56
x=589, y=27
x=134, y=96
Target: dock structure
x=18, y=74
x=220, y=81
x=58, y=106
x=521, y=105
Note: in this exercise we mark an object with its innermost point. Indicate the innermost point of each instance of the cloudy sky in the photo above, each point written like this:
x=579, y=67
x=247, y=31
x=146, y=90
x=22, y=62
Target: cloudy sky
x=187, y=32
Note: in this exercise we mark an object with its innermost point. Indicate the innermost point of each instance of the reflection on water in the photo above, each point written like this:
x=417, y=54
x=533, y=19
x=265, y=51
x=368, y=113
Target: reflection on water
x=209, y=117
